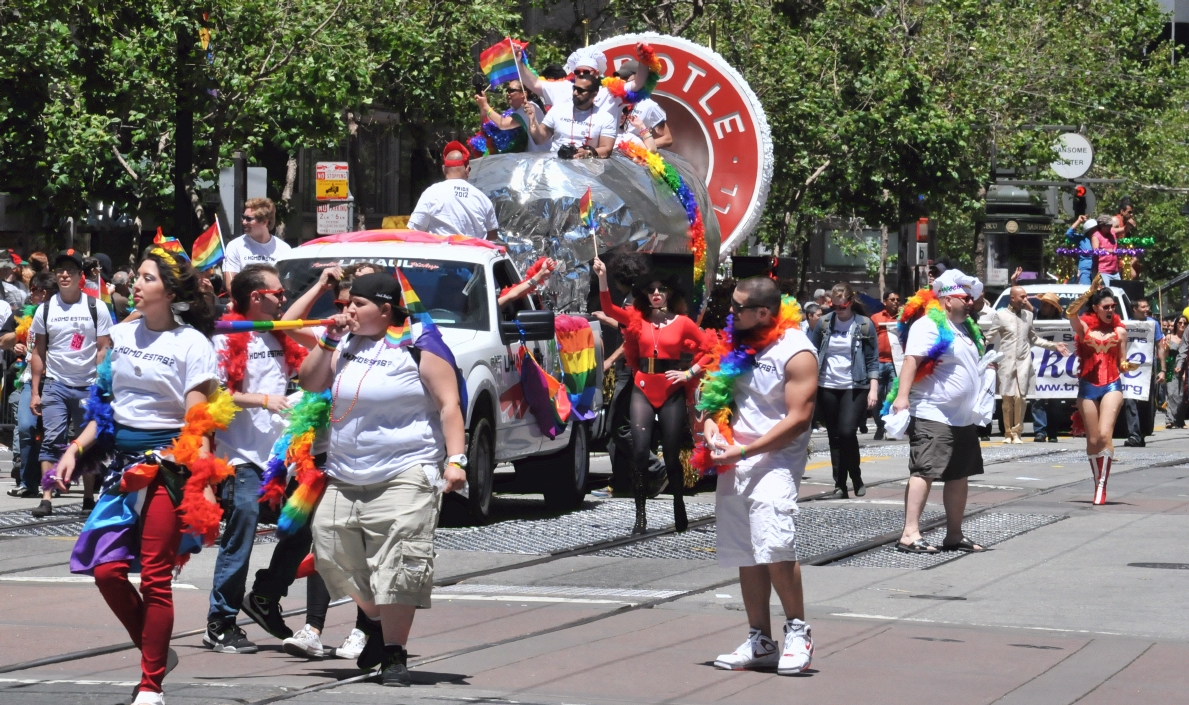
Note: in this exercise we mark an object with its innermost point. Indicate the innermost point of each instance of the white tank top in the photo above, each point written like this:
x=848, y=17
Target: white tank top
x=394, y=424
x=760, y=405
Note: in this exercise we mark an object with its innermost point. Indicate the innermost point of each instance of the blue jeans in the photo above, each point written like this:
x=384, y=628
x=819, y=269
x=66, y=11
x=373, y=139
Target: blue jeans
x=61, y=407
x=1084, y=275
x=30, y=444
x=1108, y=278
x=235, y=547
x=1040, y=418
x=887, y=373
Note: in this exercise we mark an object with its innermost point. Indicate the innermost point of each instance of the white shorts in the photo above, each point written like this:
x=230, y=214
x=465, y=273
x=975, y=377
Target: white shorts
x=755, y=516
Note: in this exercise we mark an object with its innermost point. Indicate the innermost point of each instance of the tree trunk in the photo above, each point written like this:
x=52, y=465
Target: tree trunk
x=287, y=192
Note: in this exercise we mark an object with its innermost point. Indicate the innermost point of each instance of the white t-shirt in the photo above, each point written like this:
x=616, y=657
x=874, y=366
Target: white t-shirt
x=760, y=405
x=946, y=396
x=521, y=116
x=243, y=251
x=250, y=436
x=70, y=343
x=650, y=114
x=5, y=315
x=394, y=424
x=454, y=207
x=836, y=373
x=582, y=127
x=152, y=371
x=561, y=93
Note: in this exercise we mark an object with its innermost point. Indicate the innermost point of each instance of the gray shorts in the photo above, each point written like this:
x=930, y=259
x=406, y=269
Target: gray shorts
x=941, y=452
x=376, y=541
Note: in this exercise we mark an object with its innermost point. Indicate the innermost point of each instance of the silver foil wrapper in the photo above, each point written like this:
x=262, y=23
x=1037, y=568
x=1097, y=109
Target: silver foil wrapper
x=537, y=196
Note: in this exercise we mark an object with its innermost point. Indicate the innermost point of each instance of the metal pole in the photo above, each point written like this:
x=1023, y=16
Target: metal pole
x=239, y=171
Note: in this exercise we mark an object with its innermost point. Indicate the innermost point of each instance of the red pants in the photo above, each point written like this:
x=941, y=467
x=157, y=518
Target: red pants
x=148, y=619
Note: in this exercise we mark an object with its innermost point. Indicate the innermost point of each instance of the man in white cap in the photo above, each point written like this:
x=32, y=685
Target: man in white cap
x=1082, y=241
x=944, y=429
x=582, y=63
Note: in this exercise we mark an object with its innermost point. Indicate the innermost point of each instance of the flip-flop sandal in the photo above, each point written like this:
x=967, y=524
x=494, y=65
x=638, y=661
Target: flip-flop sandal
x=918, y=546
x=965, y=546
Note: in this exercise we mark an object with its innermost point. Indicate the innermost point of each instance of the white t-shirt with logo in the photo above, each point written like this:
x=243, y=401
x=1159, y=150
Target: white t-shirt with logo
x=251, y=435
x=70, y=343
x=650, y=114
x=581, y=127
x=153, y=370
x=561, y=93
x=452, y=207
x=946, y=396
x=394, y=424
x=760, y=405
x=243, y=251
x=836, y=373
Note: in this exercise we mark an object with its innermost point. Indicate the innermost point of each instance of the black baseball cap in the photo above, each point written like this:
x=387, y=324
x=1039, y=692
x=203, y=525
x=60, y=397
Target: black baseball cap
x=71, y=255
x=380, y=288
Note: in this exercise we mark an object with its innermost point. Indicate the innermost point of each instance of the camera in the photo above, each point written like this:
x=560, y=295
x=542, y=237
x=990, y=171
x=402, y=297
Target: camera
x=567, y=151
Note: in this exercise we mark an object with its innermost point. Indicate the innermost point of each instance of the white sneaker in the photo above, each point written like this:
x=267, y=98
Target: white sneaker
x=757, y=652
x=352, y=645
x=305, y=643
x=798, y=648
x=146, y=697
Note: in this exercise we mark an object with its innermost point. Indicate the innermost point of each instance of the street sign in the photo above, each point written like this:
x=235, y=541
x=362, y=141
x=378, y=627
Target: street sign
x=330, y=180
x=1075, y=156
x=333, y=219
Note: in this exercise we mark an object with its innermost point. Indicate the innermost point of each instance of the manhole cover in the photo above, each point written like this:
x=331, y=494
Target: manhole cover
x=984, y=529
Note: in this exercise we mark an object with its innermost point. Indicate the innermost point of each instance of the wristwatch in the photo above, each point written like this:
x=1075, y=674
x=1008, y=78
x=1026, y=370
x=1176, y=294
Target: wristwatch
x=460, y=460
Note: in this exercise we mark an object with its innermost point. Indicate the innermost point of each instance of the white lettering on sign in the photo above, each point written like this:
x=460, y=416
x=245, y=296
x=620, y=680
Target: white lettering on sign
x=723, y=125
x=707, y=97
x=724, y=211
x=695, y=72
x=732, y=192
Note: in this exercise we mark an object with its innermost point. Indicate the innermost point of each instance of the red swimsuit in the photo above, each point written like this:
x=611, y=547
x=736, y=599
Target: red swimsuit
x=1098, y=350
x=644, y=341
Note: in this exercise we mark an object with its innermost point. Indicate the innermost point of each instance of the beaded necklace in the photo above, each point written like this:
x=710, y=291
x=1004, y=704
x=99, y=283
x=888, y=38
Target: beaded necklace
x=339, y=382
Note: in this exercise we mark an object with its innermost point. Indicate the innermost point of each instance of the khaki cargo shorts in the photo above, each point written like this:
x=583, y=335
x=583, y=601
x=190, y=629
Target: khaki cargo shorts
x=376, y=541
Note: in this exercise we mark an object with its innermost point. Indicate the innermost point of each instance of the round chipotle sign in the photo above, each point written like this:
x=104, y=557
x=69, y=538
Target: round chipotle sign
x=717, y=122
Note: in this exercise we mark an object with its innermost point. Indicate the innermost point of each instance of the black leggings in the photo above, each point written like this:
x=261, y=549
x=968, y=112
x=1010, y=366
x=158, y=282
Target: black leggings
x=673, y=420
x=841, y=411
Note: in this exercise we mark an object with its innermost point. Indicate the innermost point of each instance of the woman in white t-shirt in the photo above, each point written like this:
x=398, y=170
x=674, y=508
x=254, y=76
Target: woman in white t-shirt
x=848, y=382
x=394, y=420
x=162, y=365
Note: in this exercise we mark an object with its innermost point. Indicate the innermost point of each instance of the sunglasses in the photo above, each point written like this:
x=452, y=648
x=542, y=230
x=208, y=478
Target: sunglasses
x=658, y=290
x=510, y=91
x=274, y=292
x=341, y=305
x=1108, y=307
x=585, y=73
x=584, y=91
x=737, y=307
x=252, y=219
x=68, y=270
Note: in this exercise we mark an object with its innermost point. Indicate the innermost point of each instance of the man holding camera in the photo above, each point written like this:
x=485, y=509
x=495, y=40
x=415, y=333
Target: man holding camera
x=577, y=130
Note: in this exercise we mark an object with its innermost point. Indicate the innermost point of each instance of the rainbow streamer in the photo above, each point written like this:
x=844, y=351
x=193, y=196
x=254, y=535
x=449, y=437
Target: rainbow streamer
x=498, y=61
x=264, y=326
x=664, y=172
x=575, y=342
x=618, y=87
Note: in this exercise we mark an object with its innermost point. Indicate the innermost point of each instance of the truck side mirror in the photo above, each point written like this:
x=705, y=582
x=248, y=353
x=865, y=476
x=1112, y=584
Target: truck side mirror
x=537, y=325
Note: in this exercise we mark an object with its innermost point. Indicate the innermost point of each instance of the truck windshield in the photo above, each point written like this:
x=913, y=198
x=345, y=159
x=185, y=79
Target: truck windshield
x=454, y=292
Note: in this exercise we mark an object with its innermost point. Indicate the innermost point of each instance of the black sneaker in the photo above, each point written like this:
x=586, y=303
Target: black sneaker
x=266, y=611
x=225, y=637
x=395, y=673
x=879, y=435
x=373, y=651
x=43, y=510
x=88, y=504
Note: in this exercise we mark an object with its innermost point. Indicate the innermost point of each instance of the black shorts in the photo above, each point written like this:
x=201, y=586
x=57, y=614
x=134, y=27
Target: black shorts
x=941, y=452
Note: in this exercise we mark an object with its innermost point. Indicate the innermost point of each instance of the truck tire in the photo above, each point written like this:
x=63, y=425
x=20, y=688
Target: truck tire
x=480, y=470
x=563, y=474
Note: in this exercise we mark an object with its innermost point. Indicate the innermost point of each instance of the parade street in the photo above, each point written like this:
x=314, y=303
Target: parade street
x=1072, y=603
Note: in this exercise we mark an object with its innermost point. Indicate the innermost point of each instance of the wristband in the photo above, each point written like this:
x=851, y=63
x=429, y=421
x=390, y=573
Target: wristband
x=328, y=343
x=743, y=452
x=265, y=404
x=78, y=445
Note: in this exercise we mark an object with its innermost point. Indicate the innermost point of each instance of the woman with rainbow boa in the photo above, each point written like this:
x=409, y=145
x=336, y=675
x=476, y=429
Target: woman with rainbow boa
x=150, y=419
x=939, y=382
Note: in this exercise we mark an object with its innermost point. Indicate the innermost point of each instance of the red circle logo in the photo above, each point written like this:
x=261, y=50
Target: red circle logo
x=718, y=126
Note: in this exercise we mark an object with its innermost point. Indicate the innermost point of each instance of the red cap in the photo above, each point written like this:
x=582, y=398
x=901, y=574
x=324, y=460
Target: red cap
x=456, y=146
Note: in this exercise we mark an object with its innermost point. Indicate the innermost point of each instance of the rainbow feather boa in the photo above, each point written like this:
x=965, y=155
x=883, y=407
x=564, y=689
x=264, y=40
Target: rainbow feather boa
x=23, y=323
x=306, y=419
x=617, y=87
x=664, y=172
x=731, y=359
x=925, y=303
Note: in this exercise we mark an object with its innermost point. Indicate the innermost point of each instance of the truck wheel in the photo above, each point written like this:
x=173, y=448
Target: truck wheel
x=563, y=474
x=480, y=470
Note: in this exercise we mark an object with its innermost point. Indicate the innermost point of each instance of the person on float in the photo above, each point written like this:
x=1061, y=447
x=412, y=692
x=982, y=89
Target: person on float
x=1106, y=241
x=940, y=379
x=256, y=368
x=257, y=245
x=644, y=121
x=589, y=64
x=153, y=412
x=1101, y=340
x=576, y=129
x=454, y=206
x=394, y=421
x=757, y=400
x=655, y=336
x=508, y=131
x=848, y=382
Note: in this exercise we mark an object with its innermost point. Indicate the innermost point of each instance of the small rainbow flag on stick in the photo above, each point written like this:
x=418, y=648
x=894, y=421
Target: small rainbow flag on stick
x=586, y=209
x=499, y=61
x=208, y=248
x=171, y=244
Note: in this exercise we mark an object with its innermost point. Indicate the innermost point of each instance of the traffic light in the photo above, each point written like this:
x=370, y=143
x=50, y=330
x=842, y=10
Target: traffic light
x=1079, y=201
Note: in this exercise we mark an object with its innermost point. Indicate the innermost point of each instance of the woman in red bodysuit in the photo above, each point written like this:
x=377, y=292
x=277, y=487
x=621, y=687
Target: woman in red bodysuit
x=654, y=338
x=1101, y=342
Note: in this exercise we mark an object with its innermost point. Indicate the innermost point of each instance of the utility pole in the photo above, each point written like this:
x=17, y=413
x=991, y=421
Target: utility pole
x=183, y=139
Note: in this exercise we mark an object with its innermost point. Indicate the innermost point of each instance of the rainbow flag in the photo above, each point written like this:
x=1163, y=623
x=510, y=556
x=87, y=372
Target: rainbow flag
x=399, y=337
x=586, y=209
x=171, y=244
x=420, y=330
x=208, y=248
x=499, y=62
x=575, y=342
x=100, y=291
